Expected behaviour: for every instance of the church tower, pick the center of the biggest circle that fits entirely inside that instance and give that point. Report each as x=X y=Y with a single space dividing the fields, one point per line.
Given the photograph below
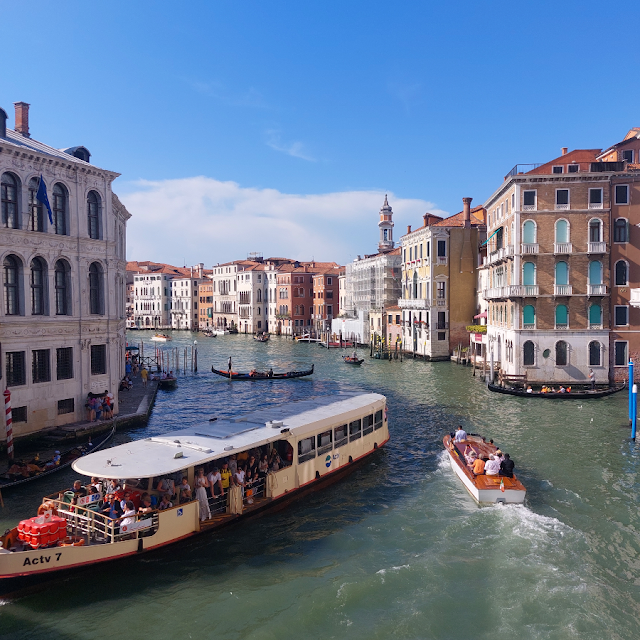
x=385 y=225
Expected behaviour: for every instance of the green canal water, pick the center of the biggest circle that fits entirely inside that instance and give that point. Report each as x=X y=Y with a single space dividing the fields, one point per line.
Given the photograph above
x=397 y=550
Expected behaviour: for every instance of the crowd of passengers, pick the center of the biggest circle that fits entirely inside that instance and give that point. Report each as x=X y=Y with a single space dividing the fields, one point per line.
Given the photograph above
x=123 y=501
x=495 y=464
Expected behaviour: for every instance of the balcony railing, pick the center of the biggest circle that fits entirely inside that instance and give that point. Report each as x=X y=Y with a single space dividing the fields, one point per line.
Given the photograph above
x=597 y=247
x=562 y=207
x=597 y=289
x=441 y=302
x=528 y=325
x=562 y=247
x=595 y=205
x=562 y=325
x=415 y=303
x=595 y=325
x=562 y=289
x=442 y=260
x=529 y=247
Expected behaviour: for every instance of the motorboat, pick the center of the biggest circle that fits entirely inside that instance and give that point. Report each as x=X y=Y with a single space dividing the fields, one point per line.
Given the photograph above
x=160 y=337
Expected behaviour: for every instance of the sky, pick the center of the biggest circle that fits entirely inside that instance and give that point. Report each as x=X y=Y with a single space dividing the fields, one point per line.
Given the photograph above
x=277 y=127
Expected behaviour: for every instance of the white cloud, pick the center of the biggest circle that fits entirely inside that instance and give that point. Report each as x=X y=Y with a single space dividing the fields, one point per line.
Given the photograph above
x=204 y=220
x=295 y=149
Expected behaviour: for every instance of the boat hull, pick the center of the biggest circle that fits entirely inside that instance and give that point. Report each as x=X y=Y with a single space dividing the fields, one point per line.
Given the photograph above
x=573 y=395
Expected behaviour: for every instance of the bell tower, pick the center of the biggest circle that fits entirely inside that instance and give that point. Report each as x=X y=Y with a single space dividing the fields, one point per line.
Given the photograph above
x=385 y=225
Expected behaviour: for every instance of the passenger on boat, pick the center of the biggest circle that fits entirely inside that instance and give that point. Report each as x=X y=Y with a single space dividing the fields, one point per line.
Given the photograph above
x=18 y=470
x=225 y=476
x=165 y=503
x=529 y=389
x=469 y=455
x=270 y=372
x=239 y=477
x=111 y=507
x=506 y=466
x=215 y=482
x=478 y=466
x=252 y=467
x=461 y=435
x=185 y=495
x=111 y=485
x=129 y=516
x=275 y=462
x=202 y=484
x=78 y=489
x=233 y=464
x=145 y=504
x=125 y=499
x=492 y=466
x=166 y=485
x=562 y=389
x=498 y=455
x=263 y=467
x=184 y=484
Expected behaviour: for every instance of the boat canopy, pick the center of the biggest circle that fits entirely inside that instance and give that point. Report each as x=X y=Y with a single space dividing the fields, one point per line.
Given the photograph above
x=167 y=454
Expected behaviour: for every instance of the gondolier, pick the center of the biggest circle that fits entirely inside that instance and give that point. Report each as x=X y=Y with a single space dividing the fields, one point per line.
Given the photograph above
x=229 y=366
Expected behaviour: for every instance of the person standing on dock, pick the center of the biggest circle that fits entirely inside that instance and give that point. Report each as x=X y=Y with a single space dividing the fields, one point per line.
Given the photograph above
x=144 y=374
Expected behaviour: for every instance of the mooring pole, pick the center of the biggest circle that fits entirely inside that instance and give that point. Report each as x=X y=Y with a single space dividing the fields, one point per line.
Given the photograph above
x=634 y=394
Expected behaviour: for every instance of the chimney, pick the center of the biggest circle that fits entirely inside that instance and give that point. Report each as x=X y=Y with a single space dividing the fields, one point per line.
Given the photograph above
x=22 y=118
x=425 y=218
x=3 y=123
x=408 y=228
x=466 y=212
x=564 y=150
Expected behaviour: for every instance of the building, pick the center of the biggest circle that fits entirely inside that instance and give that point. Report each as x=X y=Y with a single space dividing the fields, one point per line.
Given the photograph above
x=326 y=300
x=62 y=313
x=252 y=310
x=184 y=300
x=205 y=303
x=439 y=277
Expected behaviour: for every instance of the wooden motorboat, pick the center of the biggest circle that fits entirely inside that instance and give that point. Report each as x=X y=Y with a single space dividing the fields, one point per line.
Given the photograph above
x=261 y=375
x=37 y=469
x=160 y=337
x=352 y=360
x=484 y=489
x=567 y=395
x=312 y=444
x=168 y=382
x=261 y=337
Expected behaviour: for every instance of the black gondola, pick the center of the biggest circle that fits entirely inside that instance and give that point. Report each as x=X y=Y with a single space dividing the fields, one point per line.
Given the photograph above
x=573 y=395
x=49 y=466
x=260 y=375
x=352 y=360
x=263 y=337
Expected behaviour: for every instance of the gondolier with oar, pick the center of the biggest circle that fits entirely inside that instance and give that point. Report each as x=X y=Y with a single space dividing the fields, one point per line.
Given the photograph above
x=229 y=366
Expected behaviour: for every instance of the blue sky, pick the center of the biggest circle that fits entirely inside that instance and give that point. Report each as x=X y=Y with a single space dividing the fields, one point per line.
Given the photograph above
x=262 y=106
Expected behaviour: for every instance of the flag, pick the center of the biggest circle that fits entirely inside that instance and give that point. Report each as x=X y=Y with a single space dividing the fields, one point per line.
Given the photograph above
x=502 y=486
x=41 y=196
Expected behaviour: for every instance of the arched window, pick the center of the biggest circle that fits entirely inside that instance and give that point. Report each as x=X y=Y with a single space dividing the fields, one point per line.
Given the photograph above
x=12 y=306
x=62 y=273
x=595 y=272
x=595 y=316
x=93 y=213
x=529 y=317
x=562 y=231
x=9 y=200
x=529 y=353
x=620 y=230
x=529 y=232
x=528 y=273
x=415 y=284
x=594 y=354
x=259 y=295
x=595 y=230
x=60 y=206
x=562 y=273
x=561 y=353
x=96 y=290
x=562 y=317
x=38 y=283
x=622 y=273
x=36 y=208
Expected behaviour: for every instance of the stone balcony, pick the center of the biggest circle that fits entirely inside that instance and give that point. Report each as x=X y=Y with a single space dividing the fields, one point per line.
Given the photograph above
x=596 y=247
x=529 y=247
x=562 y=290
x=597 y=289
x=414 y=303
x=562 y=247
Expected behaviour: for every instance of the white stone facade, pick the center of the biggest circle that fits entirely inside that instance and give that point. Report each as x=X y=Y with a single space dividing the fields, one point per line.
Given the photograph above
x=184 y=303
x=252 y=299
x=151 y=300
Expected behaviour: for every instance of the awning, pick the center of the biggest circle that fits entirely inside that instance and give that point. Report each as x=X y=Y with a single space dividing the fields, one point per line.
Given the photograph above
x=481 y=315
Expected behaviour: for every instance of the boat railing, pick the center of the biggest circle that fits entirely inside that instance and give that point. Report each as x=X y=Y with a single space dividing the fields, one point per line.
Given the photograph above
x=253 y=491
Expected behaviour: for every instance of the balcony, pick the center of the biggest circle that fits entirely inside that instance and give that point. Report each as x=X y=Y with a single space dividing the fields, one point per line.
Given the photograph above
x=529 y=207
x=493 y=293
x=595 y=325
x=562 y=290
x=634 y=299
x=597 y=289
x=529 y=248
x=415 y=303
x=562 y=207
x=595 y=205
x=499 y=254
x=596 y=247
x=441 y=302
x=562 y=247
x=523 y=290
x=562 y=325
x=442 y=261
x=526 y=325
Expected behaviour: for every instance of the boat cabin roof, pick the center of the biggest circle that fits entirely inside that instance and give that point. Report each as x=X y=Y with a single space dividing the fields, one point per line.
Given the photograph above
x=167 y=454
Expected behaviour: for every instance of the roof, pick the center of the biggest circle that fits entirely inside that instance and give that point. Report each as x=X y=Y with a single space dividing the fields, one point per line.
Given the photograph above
x=457 y=220
x=156 y=456
x=577 y=156
x=632 y=134
x=394 y=252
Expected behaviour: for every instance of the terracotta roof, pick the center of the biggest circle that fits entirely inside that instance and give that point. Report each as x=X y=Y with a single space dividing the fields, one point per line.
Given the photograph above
x=477 y=219
x=394 y=252
x=577 y=156
x=632 y=135
x=393 y=307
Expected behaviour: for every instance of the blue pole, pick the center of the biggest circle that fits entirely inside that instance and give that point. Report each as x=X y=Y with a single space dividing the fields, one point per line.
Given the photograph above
x=630 y=385
x=635 y=411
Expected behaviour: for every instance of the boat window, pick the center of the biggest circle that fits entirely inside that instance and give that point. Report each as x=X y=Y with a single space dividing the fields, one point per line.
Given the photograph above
x=325 y=441
x=367 y=425
x=306 y=449
x=340 y=435
x=378 y=419
x=355 y=429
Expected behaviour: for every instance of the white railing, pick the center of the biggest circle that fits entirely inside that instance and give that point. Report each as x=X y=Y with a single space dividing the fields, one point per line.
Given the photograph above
x=562 y=325
x=595 y=205
x=523 y=290
x=562 y=289
x=441 y=303
x=493 y=292
x=597 y=247
x=562 y=247
x=595 y=325
x=526 y=325
x=561 y=207
x=530 y=247
x=634 y=299
x=597 y=289
x=415 y=303
x=442 y=260
x=529 y=207
x=508 y=250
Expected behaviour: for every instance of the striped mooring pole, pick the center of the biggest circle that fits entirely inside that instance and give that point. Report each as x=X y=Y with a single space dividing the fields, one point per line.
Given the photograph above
x=8 y=422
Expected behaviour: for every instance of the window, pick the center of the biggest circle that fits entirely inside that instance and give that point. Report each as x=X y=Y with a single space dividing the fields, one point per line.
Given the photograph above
x=562 y=273
x=96 y=296
x=367 y=425
x=440 y=290
x=442 y=248
x=595 y=272
x=19 y=414
x=627 y=155
x=621 y=194
x=620 y=348
x=65 y=406
x=64 y=363
x=561 y=353
x=562 y=317
x=595 y=198
x=562 y=231
x=12 y=306
x=529 y=232
x=529 y=353
x=355 y=430
x=325 y=442
x=329 y=281
x=595 y=316
x=9 y=200
x=529 y=200
x=38 y=280
x=621 y=273
x=529 y=317
x=40 y=365
x=36 y=208
x=557 y=169
x=621 y=315
x=98 y=359
x=595 y=231
x=93 y=214
x=378 y=419
x=573 y=168
x=621 y=230
x=562 y=198
x=306 y=449
x=16 y=368
x=340 y=436
x=528 y=273
x=594 y=354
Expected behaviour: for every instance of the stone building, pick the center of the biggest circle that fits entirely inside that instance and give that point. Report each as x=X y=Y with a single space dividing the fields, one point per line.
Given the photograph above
x=184 y=292
x=62 y=312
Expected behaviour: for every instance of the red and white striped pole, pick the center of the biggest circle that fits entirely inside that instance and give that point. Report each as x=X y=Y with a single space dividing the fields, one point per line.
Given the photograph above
x=8 y=422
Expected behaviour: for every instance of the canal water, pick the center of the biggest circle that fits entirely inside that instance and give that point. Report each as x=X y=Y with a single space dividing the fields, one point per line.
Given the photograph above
x=397 y=550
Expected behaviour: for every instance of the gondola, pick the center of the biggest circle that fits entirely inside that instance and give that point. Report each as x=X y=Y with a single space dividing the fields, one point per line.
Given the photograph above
x=260 y=375
x=573 y=395
x=50 y=467
x=264 y=337
x=352 y=360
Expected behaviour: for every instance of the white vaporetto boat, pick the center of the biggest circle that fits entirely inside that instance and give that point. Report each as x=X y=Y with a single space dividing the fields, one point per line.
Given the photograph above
x=309 y=444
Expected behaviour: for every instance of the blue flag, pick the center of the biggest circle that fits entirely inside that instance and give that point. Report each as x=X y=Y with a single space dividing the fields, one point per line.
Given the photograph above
x=41 y=196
